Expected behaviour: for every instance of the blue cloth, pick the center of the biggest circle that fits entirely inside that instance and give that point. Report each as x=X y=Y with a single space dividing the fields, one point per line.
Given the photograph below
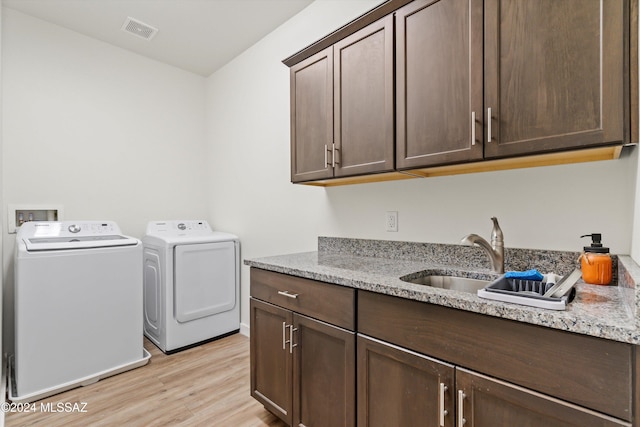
x=524 y=275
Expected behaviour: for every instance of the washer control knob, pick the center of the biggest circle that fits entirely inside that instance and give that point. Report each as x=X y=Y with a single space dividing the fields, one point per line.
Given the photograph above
x=181 y=226
x=74 y=228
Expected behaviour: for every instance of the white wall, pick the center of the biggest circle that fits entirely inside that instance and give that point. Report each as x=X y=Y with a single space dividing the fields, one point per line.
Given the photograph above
x=105 y=132
x=635 y=243
x=635 y=230
x=248 y=150
x=3 y=369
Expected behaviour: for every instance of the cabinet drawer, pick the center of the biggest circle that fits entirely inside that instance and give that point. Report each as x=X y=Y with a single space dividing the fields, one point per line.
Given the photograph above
x=330 y=303
x=588 y=371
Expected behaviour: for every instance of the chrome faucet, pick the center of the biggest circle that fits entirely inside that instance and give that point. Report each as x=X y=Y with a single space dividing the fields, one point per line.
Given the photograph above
x=495 y=250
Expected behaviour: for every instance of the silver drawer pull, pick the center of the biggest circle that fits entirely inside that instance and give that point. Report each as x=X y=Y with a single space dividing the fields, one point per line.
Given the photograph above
x=287 y=294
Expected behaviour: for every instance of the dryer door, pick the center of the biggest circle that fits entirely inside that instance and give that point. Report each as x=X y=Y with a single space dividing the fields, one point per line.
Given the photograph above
x=205 y=280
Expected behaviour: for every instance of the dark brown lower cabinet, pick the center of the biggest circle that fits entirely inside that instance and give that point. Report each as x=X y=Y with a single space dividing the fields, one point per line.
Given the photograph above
x=324 y=372
x=302 y=369
x=419 y=364
x=398 y=387
x=486 y=402
x=271 y=363
x=509 y=373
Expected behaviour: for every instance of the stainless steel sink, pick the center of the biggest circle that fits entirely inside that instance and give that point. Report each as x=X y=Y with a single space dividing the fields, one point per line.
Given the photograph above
x=455 y=283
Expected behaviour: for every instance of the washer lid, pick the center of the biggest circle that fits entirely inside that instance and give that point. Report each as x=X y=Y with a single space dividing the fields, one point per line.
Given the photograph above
x=56 y=235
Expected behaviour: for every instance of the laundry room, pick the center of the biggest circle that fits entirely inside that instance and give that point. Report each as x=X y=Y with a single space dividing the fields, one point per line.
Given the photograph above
x=106 y=126
x=103 y=132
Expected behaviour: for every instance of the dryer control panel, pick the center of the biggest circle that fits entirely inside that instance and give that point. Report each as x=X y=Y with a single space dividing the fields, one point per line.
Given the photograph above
x=179 y=228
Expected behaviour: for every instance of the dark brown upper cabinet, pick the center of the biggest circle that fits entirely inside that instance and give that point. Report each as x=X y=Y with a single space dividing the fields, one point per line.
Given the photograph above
x=478 y=85
x=438 y=82
x=312 y=117
x=342 y=116
x=554 y=75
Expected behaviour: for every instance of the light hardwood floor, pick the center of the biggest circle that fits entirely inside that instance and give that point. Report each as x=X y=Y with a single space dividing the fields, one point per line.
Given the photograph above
x=204 y=386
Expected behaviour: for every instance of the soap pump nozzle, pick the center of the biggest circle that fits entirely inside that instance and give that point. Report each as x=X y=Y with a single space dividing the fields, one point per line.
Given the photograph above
x=596 y=243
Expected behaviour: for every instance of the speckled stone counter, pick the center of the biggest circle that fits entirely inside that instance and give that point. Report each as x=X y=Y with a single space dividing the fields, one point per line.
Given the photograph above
x=608 y=312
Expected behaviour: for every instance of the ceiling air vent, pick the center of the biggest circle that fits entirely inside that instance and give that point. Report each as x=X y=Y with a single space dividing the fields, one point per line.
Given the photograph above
x=139 y=29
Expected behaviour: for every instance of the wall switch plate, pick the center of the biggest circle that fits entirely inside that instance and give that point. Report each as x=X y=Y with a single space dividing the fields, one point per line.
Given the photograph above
x=392 y=220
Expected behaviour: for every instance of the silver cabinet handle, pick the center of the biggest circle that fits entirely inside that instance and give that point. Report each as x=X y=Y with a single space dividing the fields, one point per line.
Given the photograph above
x=473 y=128
x=489 y=124
x=287 y=294
x=291 y=344
x=284 y=335
x=443 y=412
x=326 y=156
x=461 y=397
x=333 y=155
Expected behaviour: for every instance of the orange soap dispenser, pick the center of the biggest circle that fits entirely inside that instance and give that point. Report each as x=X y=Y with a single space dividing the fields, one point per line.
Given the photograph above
x=596 y=262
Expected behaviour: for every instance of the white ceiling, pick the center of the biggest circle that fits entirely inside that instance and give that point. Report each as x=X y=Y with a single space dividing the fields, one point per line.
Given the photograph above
x=196 y=35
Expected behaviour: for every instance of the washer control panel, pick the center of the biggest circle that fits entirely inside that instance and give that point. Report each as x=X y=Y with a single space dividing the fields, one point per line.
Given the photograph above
x=179 y=228
x=69 y=228
x=92 y=228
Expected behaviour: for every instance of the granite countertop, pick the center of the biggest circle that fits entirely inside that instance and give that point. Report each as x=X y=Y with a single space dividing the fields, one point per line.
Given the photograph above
x=608 y=312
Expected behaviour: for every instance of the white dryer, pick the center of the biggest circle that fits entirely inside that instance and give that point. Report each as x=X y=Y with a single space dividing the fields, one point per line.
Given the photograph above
x=191 y=284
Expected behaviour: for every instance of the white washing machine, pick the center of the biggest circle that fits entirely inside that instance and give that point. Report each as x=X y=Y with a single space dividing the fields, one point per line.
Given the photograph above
x=78 y=306
x=191 y=284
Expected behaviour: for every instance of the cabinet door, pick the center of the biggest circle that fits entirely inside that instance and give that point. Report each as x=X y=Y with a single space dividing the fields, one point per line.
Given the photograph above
x=438 y=82
x=324 y=359
x=554 y=74
x=271 y=366
x=487 y=402
x=312 y=117
x=363 y=106
x=402 y=388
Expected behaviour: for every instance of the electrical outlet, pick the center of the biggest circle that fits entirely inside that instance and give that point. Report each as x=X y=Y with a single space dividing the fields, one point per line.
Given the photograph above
x=392 y=221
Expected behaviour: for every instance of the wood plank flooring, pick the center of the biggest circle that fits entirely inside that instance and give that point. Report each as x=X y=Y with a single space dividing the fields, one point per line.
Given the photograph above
x=207 y=386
